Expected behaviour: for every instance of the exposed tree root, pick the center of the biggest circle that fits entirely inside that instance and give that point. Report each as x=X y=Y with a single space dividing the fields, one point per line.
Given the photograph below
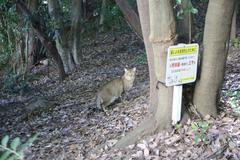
x=147 y=127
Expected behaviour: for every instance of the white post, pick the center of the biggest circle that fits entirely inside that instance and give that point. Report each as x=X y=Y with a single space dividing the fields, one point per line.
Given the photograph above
x=177 y=104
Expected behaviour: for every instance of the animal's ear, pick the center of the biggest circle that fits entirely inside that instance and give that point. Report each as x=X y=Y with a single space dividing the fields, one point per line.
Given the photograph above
x=134 y=69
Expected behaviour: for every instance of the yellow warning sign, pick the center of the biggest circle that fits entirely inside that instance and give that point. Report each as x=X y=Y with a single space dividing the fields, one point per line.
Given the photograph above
x=183 y=51
x=181 y=67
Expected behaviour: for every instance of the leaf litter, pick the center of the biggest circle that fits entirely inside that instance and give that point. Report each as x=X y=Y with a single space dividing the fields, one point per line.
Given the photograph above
x=74 y=129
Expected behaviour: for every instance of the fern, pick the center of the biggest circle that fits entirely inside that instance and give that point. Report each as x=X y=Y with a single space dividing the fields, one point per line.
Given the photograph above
x=15 y=149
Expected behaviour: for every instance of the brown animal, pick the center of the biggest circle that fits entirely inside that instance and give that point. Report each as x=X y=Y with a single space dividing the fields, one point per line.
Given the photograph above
x=114 y=89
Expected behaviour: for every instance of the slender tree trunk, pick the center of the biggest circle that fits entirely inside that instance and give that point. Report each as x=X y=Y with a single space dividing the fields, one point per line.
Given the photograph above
x=215 y=41
x=84 y=9
x=30 y=37
x=162 y=34
x=20 y=47
x=234 y=22
x=131 y=16
x=185 y=25
x=19 y=58
x=51 y=48
x=76 y=30
x=62 y=41
x=102 y=15
x=11 y=39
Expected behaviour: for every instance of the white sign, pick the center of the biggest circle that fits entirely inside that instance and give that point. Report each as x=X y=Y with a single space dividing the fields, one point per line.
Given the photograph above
x=182 y=63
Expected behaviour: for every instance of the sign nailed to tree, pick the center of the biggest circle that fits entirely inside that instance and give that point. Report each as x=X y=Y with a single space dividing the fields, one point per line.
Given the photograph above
x=182 y=63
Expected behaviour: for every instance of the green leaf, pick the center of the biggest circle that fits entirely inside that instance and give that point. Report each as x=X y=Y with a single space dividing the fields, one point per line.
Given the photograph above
x=178 y=126
x=5 y=141
x=194 y=10
x=194 y=126
x=21 y=154
x=179 y=14
x=5 y=155
x=15 y=143
x=178 y=2
x=29 y=142
x=13 y=157
x=196 y=139
x=32 y=139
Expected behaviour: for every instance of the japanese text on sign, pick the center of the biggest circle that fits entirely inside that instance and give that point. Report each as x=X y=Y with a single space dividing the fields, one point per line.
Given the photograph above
x=182 y=63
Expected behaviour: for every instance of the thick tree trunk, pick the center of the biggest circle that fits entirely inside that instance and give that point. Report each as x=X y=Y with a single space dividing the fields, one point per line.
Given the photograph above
x=76 y=30
x=131 y=16
x=51 y=48
x=161 y=28
x=163 y=35
x=62 y=41
x=143 y=8
x=216 y=39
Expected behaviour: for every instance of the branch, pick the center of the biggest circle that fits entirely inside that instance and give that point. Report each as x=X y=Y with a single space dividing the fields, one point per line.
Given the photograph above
x=131 y=16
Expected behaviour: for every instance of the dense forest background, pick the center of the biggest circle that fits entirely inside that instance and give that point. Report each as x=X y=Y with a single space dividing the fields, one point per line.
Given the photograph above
x=55 y=55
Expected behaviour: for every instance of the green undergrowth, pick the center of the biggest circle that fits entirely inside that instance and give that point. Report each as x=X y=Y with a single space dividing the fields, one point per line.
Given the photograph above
x=14 y=150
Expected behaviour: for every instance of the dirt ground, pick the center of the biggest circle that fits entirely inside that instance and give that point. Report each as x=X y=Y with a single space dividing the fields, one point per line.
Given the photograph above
x=71 y=128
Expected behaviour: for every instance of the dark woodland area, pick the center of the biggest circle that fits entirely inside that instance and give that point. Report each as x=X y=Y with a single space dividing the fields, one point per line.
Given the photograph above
x=61 y=61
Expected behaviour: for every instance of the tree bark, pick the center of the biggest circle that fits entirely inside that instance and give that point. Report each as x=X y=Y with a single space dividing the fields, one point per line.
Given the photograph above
x=131 y=16
x=51 y=48
x=30 y=36
x=162 y=35
x=102 y=15
x=234 y=22
x=62 y=39
x=84 y=9
x=143 y=9
x=161 y=28
x=185 y=25
x=20 y=44
x=215 y=42
x=19 y=57
x=76 y=30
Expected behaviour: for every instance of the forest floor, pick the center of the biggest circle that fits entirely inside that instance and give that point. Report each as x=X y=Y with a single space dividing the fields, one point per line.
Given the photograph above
x=70 y=127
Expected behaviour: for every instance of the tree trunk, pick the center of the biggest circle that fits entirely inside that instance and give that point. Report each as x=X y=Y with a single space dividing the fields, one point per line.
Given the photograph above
x=76 y=30
x=18 y=57
x=234 y=22
x=20 y=44
x=162 y=34
x=30 y=37
x=131 y=16
x=215 y=42
x=62 y=41
x=143 y=9
x=84 y=9
x=185 y=25
x=51 y=48
x=102 y=15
